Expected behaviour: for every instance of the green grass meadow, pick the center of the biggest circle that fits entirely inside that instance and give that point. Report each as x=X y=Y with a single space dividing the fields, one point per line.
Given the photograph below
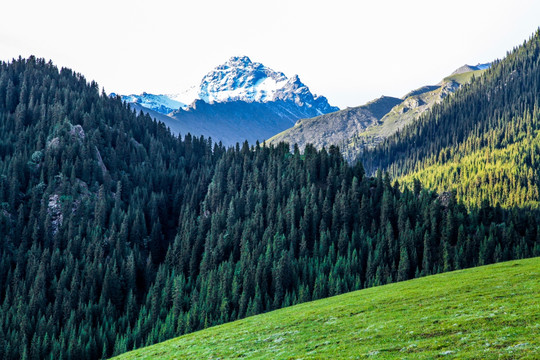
x=489 y=312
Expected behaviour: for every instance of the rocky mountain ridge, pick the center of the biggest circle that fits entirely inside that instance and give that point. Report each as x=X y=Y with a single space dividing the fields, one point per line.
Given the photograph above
x=238 y=79
x=355 y=128
x=236 y=101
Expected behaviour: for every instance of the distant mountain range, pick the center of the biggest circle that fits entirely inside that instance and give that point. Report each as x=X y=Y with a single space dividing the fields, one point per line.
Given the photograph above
x=355 y=128
x=237 y=101
x=244 y=100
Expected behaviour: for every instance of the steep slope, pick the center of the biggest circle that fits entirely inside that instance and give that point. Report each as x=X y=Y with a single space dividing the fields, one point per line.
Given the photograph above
x=483 y=142
x=489 y=312
x=236 y=121
x=237 y=101
x=225 y=121
x=331 y=129
x=501 y=177
x=419 y=102
x=353 y=129
x=167 y=120
x=415 y=104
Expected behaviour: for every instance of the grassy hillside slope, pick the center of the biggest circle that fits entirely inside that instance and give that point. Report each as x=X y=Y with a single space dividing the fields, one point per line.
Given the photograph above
x=489 y=312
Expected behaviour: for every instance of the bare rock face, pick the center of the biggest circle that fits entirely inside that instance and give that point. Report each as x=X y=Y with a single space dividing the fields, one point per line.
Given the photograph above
x=445 y=198
x=447 y=88
x=77 y=132
x=61 y=204
x=54 y=210
x=414 y=102
x=53 y=144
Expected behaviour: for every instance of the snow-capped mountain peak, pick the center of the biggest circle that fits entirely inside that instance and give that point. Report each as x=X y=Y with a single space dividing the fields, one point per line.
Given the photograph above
x=238 y=79
x=241 y=79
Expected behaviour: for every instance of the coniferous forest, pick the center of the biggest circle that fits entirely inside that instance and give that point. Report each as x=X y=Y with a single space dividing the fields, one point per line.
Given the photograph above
x=115 y=234
x=483 y=142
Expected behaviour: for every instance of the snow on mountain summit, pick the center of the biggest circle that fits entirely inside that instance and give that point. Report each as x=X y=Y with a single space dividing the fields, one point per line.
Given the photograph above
x=241 y=79
x=161 y=103
x=238 y=79
x=244 y=80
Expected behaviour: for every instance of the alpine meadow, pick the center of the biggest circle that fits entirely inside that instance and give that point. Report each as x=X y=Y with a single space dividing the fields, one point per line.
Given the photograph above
x=121 y=229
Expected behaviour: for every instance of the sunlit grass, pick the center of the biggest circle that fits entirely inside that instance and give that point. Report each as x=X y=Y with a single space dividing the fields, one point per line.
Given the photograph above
x=466 y=77
x=490 y=312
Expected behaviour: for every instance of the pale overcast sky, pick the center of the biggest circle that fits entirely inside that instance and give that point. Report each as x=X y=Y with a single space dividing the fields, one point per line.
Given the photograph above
x=349 y=51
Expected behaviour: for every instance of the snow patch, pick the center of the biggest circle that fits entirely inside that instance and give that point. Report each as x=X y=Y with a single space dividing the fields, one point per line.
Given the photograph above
x=163 y=104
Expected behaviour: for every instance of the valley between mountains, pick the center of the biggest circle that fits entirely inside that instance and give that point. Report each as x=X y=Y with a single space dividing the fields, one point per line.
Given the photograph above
x=250 y=209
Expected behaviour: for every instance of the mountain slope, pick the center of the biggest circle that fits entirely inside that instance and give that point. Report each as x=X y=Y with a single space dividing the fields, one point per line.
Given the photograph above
x=332 y=128
x=237 y=121
x=501 y=177
x=115 y=234
x=237 y=101
x=415 y=104
x=483 y=142
x=489 y=312
x=356 y=128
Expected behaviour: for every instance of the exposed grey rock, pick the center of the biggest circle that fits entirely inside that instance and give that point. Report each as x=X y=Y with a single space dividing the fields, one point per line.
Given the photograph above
x=54 y=210
x=77 y=132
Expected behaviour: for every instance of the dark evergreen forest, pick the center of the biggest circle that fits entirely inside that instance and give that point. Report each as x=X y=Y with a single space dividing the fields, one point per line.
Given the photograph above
x=115 y=234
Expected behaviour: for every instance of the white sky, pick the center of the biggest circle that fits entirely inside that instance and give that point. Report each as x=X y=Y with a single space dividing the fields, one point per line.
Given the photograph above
x=351 y=51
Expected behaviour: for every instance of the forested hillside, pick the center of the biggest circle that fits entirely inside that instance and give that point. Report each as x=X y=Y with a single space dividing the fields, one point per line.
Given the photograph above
x=483 y=142
x=116 y=234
